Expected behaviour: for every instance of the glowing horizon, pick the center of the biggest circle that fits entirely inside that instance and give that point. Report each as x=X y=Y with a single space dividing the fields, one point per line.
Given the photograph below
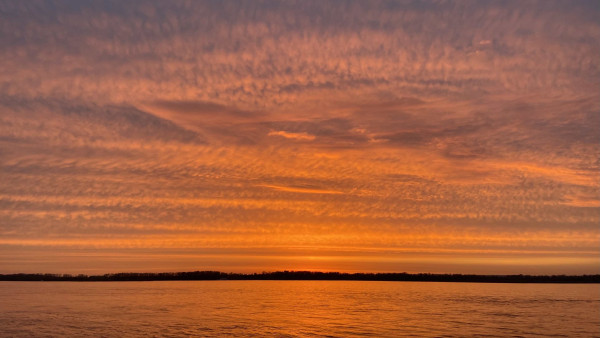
x=378 y=136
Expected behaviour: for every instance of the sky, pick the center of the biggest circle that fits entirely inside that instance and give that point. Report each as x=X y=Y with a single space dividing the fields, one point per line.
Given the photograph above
x=249 y=136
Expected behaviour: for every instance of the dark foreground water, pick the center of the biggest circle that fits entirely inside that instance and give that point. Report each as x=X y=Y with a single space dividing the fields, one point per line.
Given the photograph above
x=297 y=308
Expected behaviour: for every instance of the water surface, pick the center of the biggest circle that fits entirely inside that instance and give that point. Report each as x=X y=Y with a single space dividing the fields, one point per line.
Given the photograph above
x=297 y=308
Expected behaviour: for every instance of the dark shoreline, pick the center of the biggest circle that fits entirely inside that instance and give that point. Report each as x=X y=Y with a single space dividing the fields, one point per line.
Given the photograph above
x=303 y=275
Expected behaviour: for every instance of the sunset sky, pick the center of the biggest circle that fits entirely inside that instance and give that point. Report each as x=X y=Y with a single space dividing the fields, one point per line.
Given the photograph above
x=249 y=136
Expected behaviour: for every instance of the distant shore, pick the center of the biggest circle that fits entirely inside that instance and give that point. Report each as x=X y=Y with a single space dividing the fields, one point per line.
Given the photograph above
x=303 y=275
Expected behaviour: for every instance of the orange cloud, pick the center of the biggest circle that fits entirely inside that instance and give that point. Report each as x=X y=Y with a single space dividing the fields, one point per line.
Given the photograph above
x=304 y=190
x=294 y=136
x=295 y=128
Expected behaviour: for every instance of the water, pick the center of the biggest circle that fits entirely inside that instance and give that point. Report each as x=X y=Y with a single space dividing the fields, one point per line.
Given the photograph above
x=297 y=308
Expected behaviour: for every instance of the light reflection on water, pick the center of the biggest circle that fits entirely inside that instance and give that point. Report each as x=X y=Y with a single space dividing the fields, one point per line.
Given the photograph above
x=297 y=308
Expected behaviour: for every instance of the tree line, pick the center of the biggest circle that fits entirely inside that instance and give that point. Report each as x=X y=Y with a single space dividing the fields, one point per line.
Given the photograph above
x=304 y=275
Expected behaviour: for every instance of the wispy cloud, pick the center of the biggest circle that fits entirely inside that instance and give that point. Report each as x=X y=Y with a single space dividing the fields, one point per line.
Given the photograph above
x=293 y=136
x=304 y=190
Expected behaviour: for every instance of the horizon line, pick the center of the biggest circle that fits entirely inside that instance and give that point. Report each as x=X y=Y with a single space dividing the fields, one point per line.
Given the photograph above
x=303 y=275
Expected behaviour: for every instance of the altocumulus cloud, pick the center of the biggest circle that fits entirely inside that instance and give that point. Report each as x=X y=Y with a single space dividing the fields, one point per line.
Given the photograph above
x=399 y=131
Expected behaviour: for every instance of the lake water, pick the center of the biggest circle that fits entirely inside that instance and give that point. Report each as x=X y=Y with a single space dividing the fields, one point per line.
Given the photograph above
x=297 y=308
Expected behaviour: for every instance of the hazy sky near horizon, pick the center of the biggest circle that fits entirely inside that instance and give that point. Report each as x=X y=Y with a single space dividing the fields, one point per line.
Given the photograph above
x=250 y=136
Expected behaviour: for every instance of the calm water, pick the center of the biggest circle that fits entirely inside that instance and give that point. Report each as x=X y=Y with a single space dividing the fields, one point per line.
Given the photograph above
x=297 y=308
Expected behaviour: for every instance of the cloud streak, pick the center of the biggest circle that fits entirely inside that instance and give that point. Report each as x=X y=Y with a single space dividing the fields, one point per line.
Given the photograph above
x=293 y=136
